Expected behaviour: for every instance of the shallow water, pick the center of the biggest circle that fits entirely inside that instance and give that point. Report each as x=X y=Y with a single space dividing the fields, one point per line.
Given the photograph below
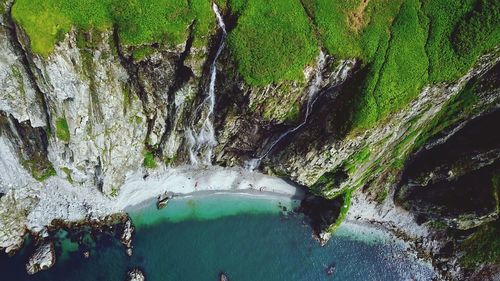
x=248 y=238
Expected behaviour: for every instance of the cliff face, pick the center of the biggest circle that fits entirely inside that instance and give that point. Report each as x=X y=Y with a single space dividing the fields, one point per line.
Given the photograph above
x=74 y=124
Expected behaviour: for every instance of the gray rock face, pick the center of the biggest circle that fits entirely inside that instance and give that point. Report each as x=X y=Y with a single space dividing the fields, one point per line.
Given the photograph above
x=105 y=121
x=42 y=259
x=18 y=96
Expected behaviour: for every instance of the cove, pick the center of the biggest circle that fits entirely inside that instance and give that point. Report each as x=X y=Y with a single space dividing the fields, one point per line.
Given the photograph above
x=249 y=237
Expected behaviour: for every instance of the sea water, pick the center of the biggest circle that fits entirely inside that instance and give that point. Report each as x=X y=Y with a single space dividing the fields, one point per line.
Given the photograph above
x=247 y=237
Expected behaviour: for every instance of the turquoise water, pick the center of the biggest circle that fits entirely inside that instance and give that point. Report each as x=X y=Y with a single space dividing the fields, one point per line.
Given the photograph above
x=248 y=238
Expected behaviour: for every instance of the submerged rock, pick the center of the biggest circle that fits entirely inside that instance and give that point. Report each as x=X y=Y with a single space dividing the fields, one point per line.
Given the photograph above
x=330 y=270
x=135 y=275
x=86 y=254
x=163 y=199
x=42 y=259
x=223 y=277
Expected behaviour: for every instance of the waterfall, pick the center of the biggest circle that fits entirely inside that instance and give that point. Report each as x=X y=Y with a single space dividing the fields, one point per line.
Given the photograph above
x=313 y=93
x=201 y=144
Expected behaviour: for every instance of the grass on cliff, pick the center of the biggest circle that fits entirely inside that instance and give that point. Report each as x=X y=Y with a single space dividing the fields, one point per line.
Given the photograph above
x=483 y=246
x=403 y=45
x=149 y=160
x=272 y=41
x=138 y=22
x=40 y=168
x=62 y=129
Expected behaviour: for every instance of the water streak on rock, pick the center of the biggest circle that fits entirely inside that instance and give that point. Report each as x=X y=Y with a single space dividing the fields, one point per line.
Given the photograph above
x=201 y=144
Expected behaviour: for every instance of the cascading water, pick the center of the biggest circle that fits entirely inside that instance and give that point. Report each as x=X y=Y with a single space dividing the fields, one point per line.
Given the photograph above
x=201 y=144
x=313 y=94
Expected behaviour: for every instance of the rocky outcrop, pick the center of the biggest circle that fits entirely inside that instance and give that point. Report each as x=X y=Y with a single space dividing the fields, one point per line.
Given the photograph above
x=135 y=275
x=43 y=258
x=126 y=237
x=223 y=277
x=163 y=199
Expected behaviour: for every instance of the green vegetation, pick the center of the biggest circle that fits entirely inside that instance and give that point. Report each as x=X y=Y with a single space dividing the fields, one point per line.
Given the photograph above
x=149 y=160
x=346 y=197
x=437 y=225
x=445 y=17
x=477 y=26
x=138 y=22
x=2 y=6
x=47 y=21
x=141 y=53
x=293 y=114
x=483 y=246
x=272 y=41
x=114 y=192
x=456 y=108
x=495 y=183
x=40 y=168
x=357 y=159
x=62 y=129
x=403 y=45
x=68 y=173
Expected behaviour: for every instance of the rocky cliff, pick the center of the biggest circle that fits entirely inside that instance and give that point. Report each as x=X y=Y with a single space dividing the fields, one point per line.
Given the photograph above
x=74 y=124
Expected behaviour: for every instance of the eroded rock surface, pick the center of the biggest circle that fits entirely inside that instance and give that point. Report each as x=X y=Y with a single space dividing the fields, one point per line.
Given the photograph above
x=43 y=258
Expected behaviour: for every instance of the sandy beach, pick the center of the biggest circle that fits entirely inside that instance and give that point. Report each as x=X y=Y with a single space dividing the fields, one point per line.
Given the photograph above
x=189 y=181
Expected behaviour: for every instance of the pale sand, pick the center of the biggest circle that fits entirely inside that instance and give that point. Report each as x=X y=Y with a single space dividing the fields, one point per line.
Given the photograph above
x=188 y=180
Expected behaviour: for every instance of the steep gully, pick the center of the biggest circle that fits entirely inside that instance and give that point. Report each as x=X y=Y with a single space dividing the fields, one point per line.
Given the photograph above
x=201 y=143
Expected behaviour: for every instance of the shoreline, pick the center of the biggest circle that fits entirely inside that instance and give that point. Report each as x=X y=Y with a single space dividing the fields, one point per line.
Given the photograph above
x=191 y=181
x=242 y=193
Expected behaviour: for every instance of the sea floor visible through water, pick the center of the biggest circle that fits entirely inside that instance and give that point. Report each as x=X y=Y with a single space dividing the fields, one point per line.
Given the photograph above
x=249 y=238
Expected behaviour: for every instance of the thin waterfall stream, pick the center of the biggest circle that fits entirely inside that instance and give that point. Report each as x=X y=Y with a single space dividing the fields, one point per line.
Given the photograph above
x=313 y=94
x=201 y=144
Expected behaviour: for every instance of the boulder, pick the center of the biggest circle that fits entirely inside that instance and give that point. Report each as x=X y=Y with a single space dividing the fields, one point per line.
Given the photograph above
x=223 y=277
x=163 y=199
x=126 y=237
x=135 y=274
x=42 y=259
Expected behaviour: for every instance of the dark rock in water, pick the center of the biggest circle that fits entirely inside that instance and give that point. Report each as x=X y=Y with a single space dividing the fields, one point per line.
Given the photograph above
x=135 y=274
x=163 y=199
x=330 y=270
x=43 y=258
x=320 y=213
x=86 y=254
x=223 y=277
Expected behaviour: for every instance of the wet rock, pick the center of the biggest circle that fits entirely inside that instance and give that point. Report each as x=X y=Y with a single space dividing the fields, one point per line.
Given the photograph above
x=126 y=238
x=135 y=275
x=86 y=254
x=163 y=199
x=42 y=259
x=321 y=213
x=223 y=277
x=486 y=273
x=330 y=270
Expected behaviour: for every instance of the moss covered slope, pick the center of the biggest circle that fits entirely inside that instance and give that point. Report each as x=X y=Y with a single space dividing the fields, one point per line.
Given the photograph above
x=403 y=45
